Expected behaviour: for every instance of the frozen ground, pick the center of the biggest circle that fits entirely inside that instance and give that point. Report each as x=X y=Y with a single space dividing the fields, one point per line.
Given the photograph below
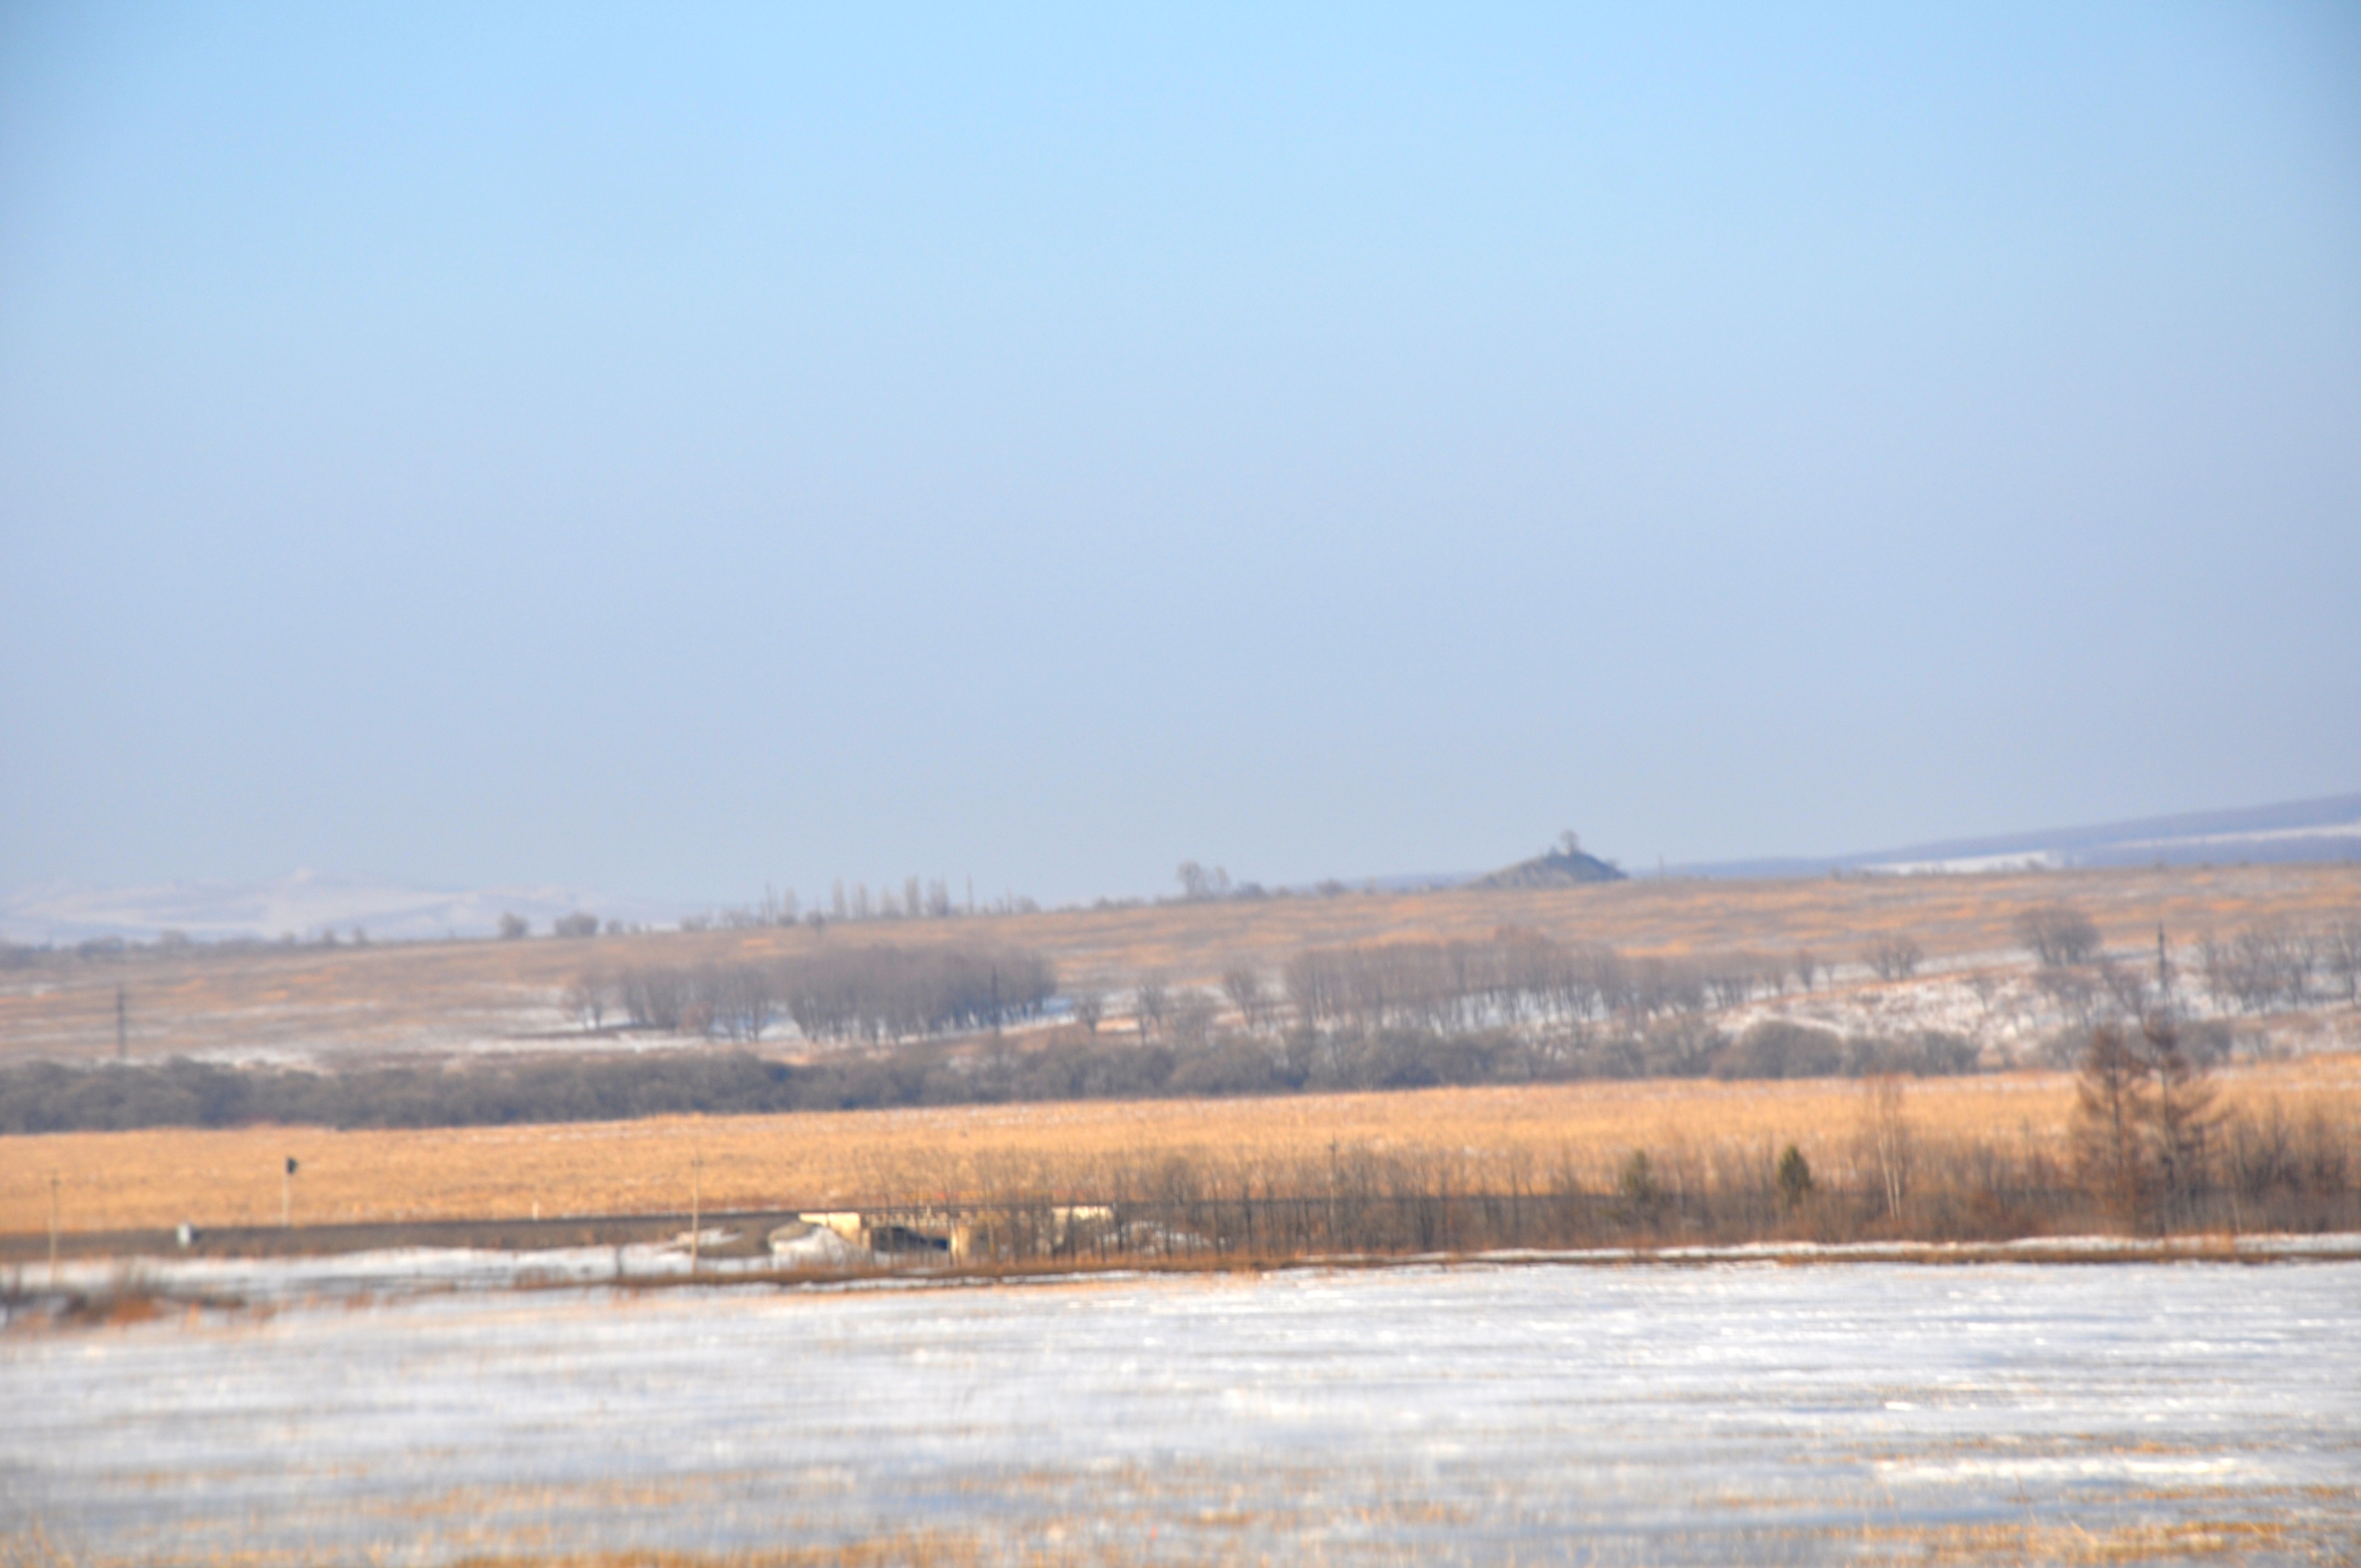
x=1733 y=1412
x=33 y=1292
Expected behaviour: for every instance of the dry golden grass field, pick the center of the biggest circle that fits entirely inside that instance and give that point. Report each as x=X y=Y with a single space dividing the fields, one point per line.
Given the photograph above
x=1493 y=1137
x=443 y=998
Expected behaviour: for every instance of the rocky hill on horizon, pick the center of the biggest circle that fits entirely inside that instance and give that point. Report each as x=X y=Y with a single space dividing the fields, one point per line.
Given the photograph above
x=1564 y=866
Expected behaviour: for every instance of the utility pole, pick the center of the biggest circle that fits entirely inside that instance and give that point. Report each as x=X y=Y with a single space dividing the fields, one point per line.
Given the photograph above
x=122 y=1026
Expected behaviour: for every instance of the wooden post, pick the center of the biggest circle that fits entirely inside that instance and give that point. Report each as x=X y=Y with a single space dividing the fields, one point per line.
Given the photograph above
x=1333 y=1245
x=287 y=1196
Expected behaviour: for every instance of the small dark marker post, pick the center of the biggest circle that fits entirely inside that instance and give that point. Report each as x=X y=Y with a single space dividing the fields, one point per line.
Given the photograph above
x=287 y=1196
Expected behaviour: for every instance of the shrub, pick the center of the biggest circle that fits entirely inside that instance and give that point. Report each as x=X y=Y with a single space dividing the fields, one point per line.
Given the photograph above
x=2058 y=935
x=1893 y=958
x=1795 y=1177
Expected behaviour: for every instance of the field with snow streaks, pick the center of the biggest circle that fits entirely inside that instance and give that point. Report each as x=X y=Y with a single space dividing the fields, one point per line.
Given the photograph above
x=1728 y=1413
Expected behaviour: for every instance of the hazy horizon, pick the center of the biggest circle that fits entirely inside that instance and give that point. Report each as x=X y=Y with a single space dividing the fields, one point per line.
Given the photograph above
x=676 y=454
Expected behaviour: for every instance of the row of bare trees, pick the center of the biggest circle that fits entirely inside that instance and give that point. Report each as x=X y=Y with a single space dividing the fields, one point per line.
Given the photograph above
x=2280 y=963
x=2269 y=965
x=871 y=994
x=918 y=898
x=1889 y=1175
x=1514 y=978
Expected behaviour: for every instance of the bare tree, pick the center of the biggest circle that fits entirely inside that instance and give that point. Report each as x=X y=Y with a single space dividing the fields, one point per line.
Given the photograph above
x=1893 y=958
x=1192 y=1020
x=654 y=998
x=2128 y=987
x=1732 y=979
x=739 y=1001
x=1151 y=1000
x=2058 y=935
x=1089 y=1008
x=1885 y=1136
x=2264 y=965
x=2074 y=992
x=2342 y=946
x=1809 y=968
x=579 y=924
x=512 y=928
x=585 y=1000
x=1242 y=985
x=1198 y=884
x=2281 y=956
x=1987 y=988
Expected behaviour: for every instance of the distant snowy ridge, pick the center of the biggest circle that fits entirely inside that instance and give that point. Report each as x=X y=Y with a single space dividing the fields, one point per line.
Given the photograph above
x=303 y=905
x=2324 y=829
x=306 y=904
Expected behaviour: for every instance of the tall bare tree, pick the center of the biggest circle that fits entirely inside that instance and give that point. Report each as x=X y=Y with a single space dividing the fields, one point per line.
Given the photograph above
x=1885 y=1136
x=585 y=1000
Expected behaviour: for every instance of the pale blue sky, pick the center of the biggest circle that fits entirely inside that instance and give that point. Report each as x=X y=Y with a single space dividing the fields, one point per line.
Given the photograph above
x=673 y=452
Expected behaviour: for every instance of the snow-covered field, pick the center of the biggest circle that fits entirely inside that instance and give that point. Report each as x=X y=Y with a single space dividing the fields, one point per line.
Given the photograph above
x=1729 y=1412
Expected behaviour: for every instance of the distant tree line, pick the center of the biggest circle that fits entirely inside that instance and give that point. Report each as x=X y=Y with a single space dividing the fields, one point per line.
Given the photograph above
x=918 y=898
x=1069 y=1064
x=866 y=995
x=2280 y=963
x=48 y=1097
x=1519 y=978
x=2269 y=966
x=2148 y=1152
